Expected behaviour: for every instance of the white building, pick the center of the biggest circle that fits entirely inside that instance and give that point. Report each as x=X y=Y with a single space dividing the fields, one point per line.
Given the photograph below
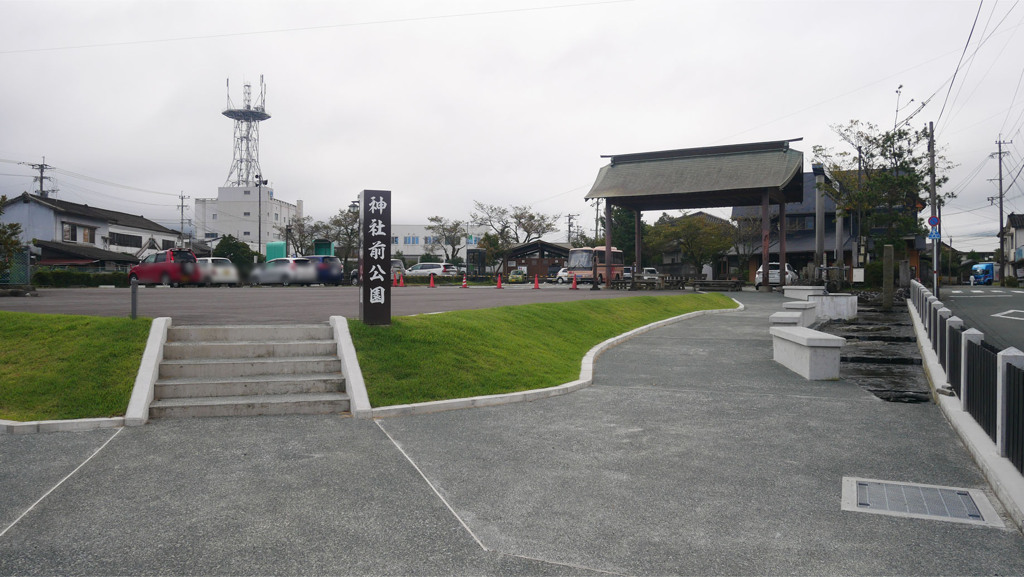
x=72 y=234
x=414 y=241
x=236 y=211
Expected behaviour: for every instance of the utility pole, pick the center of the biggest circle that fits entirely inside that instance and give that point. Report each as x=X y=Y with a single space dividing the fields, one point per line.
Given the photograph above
x=259 y=212
x=570 y=217
x=181 y=227
x=42 y=168
x=597 y=216
x=934 y=209
x=1002 y=248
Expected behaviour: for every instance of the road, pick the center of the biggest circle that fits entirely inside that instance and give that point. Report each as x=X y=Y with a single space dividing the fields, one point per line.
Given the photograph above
x=997 y=312
x=279 y=305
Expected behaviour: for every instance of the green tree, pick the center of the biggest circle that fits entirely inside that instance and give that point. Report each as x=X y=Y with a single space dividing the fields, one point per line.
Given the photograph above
x=299 y=233
x=10 y=240
x=883 y=177
x=343 y=230
x=509 y=227
x=238 y=253
x=700 y=238
x=448 y=236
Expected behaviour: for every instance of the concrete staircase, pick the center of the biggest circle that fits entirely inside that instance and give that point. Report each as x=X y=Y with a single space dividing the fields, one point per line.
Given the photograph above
x=214 y=371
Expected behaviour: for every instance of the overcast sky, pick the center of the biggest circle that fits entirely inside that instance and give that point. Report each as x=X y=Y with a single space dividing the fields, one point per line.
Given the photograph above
x=501 y=101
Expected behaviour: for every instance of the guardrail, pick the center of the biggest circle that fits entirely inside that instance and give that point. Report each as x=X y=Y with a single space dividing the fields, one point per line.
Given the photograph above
x=988 y=382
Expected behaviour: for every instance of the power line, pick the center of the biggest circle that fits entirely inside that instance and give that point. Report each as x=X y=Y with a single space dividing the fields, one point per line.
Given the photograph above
x=309 y=28
x=961 y=62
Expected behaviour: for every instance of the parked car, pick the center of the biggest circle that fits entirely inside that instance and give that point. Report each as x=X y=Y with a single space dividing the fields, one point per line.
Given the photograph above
x=174 y=266
x=516 y=275
x=286 y=271
x=432 y=268
x=627 y=272
x=217 y=270
x=560 y=277
x=329 y=269
x=397 y=267
x=773 y=275
x=650 y=273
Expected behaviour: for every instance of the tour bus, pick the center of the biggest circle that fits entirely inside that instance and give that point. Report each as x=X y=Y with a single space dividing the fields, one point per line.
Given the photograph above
x=581 y=262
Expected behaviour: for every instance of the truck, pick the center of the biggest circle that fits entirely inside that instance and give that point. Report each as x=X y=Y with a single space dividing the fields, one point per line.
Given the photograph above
x=984 y=273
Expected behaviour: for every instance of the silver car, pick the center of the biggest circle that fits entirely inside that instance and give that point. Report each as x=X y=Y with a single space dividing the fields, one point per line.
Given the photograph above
x=217 y=270
x=286 y=271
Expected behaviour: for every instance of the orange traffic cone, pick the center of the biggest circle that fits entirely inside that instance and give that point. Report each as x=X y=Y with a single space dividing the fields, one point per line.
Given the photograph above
x=499 y=280
x=574 y=287
x=464 y=285
x=536 y=282
x=431 y=281
x=394 y=280
x=401 y=280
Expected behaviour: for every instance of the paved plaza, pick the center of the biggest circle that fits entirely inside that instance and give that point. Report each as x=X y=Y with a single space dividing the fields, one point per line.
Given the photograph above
x=693 y=453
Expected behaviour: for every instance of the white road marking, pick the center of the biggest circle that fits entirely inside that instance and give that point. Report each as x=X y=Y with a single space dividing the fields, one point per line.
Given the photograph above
x=1012 y=314
x=54 y=488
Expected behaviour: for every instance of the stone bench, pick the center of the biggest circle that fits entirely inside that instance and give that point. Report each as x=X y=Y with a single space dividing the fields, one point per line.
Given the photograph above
x=808 y=311
x=812 y=354
x=785 y=318
x=835 y=306
x=801 y=292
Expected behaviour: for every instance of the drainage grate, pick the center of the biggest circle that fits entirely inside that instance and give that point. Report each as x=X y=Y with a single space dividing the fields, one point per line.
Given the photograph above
x=919 y=501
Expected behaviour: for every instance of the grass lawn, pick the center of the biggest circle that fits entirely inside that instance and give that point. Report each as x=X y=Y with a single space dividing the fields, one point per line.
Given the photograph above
x=500 y=350
x=67 y=366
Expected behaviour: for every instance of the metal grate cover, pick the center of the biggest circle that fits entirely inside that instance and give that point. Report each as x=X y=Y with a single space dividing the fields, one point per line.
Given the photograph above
x=919 y=501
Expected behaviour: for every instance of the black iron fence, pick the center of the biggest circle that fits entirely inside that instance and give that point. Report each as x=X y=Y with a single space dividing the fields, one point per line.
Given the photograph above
x=973 y=373
x=1015 y=416
x=981 y=386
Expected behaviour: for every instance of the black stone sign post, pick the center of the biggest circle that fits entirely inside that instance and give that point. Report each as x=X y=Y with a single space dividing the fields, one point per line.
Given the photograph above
x=375 y=257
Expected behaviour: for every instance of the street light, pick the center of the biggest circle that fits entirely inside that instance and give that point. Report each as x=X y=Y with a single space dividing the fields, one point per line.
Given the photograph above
x=259 y=210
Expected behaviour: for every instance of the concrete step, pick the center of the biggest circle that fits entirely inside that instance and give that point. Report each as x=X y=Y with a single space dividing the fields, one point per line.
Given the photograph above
x=248 y=349
x=250 y=333
x=250 y=405
x=245 y=367
x=253 y=385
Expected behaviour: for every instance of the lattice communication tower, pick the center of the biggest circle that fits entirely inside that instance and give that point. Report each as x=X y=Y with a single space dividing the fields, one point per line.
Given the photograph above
x=246 y=163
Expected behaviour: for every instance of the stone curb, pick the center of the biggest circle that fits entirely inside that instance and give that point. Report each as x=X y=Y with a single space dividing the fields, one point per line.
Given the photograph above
x=358 y=386
x=1007 y=483
x=138 y=405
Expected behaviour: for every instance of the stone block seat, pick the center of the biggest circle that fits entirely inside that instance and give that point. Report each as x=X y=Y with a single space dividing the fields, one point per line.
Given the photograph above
x=812 y=354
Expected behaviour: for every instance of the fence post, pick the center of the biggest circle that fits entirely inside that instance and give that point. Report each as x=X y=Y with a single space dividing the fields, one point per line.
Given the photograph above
x=135 y=296
x=933 y=324
x=952 y=324
x=969 y=336
x=941 y=327
x=926 y=314
x=1010 y=356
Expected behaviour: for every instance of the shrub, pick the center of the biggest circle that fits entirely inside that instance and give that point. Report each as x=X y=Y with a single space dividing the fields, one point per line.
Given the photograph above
x=69 y=278
x=1011 y=281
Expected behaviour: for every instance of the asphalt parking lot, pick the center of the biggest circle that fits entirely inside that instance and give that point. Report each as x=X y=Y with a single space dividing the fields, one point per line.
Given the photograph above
x=293 y=304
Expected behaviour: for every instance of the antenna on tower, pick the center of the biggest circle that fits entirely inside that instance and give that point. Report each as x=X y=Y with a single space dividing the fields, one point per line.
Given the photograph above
x=245 y=164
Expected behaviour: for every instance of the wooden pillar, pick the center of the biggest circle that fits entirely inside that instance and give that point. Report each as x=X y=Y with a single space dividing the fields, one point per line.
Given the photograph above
x=637 y=241
x=765 y=241
x=782 y=242
x=607 y=244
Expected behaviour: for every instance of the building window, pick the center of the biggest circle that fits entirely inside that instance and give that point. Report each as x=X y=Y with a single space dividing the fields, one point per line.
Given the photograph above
x=77 y=233
x=167 y=244
x=246 y=193
x=245 y=214
x=214 y=216
x=210 y=235
x=246 y=233
x=411 y=240
x=394 y=240
x=128 y=240
x=276 y=216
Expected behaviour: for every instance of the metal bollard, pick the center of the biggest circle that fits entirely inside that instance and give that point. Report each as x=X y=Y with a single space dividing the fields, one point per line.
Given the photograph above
x=135 y=296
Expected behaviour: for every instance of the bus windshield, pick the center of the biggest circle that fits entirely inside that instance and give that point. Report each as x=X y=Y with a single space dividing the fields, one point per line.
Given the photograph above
x=581 y=258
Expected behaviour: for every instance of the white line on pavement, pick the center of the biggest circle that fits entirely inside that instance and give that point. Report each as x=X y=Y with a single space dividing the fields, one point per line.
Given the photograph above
x=54 y=488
